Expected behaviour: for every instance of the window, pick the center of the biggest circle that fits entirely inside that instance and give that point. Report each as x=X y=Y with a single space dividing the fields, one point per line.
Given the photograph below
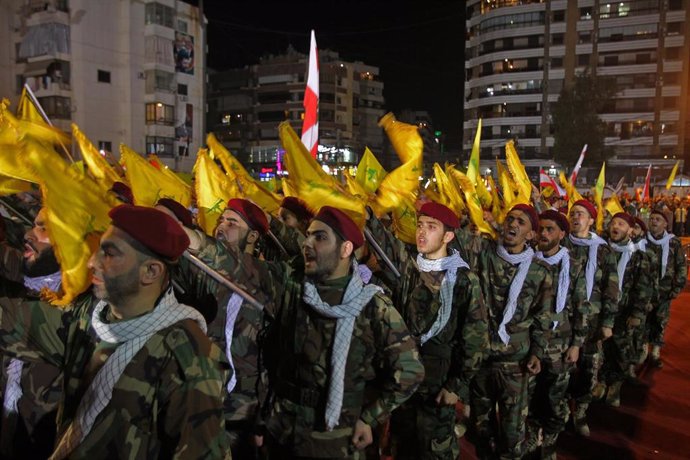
x=56 y=107
x=158 y=113
x=556 y=63
x=559 y=16
x=670 y=103
x=105 y=146
x=159 y=80
x=161 y=146
x=586 y=13
x=103 y=76
x=159 y=14
x=583 y=59
x=610 y=60
x=557 y=39
x=672 y=53
x=181 y=89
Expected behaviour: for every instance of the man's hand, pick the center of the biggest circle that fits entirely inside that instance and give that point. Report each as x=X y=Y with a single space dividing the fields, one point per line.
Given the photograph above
x=633 y=322
x=361 y=436
x=446 y=398
x=606 y=333
x=258 y=440
x=572 y=354
x=533 y=365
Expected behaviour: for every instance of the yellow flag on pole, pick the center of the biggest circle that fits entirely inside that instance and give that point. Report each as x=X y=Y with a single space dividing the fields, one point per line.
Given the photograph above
x=10 y=185
x=26 y=110
x=672 y=176
x=474 y=206
x=213 y=190
x=405 y=138
x=497 y=210
x=473 y=166
x=517 y=169
x=370 y=173
x=613 y=205
x=599 y=196
x=98 y=166
x=508 y=186
x=448 y=193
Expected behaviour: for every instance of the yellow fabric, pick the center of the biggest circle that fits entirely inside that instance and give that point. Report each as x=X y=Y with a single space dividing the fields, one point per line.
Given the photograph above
x=213 y=190
x=599 y=196
x=448 y=193
x=483 y=193
x=149 y=184
x=613 y=205
x=158 y=164
x=570 y=189
x=10 y=185
x=508 y=186
x=405 y=138
x=517 y=169
x=404 y=221
x=497 y=210
x=26 y=110
x=672 y=176
x=13 y=129
x=472 y=200
x=370 y=173
x=355 y=188
x=98 y=166
x=473 y=166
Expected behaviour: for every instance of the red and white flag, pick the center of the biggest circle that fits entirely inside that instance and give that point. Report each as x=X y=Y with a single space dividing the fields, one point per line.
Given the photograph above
x=547 y=181
x=576 y=170
x=645 y=191
x=310 y=126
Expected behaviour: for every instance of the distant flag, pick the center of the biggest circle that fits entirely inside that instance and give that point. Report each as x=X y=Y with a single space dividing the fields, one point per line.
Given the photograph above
x=578 y=165
x=599 y=196
x=645 y=190
x=473 y=166
x=547 y=181
x=310 y=126
x=672 y=176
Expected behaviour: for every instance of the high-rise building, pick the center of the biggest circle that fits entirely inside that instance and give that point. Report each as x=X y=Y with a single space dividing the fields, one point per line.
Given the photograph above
x=521 y=53
x=246 y=106
x=127 y=71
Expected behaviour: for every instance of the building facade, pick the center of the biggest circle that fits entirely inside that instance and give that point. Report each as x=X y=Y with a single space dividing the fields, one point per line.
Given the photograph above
x=126 y=71
x=246 y=106
x=521 y=53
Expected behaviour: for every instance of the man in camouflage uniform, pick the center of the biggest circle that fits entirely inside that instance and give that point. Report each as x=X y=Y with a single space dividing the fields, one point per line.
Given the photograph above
x=548 y=402
x=322 y=407
x=639 y=233
x=637 y=283
x=673 y=274
x=601 y=281
x=440 y=301
x=518 y=291
x=142 y=380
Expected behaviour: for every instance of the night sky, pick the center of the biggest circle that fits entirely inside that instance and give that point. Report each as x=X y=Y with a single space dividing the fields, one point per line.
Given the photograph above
x=418 y=46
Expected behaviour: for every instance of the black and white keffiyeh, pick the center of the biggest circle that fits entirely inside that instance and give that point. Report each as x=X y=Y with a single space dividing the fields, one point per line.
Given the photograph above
x=664 y=242
x=593 y=243
x=523 y=260
x=626 y=251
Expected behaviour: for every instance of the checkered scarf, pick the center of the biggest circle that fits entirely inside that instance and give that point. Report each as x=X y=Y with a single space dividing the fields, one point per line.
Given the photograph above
x=523 y=260
x=132 y=334
x=562 y=257
x=357 y=295
x=450 y=265
x=593 y=244
x=665 y=246
x=626 y=251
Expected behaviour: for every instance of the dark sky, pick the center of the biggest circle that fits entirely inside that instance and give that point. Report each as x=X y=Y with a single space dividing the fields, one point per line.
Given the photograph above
x=418 y=46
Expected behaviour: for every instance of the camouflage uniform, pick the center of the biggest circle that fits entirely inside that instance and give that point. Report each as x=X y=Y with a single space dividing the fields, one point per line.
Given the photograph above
x=502 y=379
x=640 y=281
x=382 y=370
x=602 y=308
x=166 y=403
x=420 y=428
x=548 y=402
x=669 y=287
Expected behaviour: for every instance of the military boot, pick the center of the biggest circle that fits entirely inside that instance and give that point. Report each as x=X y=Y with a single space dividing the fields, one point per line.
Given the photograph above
x=580 y=419
x=655 y=357
x=613 y=397
x=548 y=446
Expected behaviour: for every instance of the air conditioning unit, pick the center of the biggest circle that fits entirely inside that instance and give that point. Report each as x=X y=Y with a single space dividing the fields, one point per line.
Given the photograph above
x=182 y=98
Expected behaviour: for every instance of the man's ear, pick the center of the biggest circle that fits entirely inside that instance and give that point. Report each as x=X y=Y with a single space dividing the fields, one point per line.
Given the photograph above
x=252 y=237
x=346 y=249
x=152 y=271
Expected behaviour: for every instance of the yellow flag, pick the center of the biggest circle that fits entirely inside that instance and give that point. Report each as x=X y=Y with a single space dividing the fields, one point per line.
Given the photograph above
x=354 y=187
x=613 y=205
x=448 y=193
x=26 y=110
x=570 y=189
x=149 y=184
x=669 y=182
x=517 y=169
x=287 y=187
x=213 y=190
x=13 y=129
x=497 y=210
x=98 y=166
x=159 y=165
x=10 y=185
x=370 y=173
x=250 y=188
x=13 y=163
x=405 y=138
x=404 y=222
x=401 y=183
x=508 y=186
x=599 y=196
x=473 y=166
x=77 y=213
x=484 y=196
x=472 y=200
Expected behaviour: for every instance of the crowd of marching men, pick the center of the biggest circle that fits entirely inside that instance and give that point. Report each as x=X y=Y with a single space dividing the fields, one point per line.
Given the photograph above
x=337 y=321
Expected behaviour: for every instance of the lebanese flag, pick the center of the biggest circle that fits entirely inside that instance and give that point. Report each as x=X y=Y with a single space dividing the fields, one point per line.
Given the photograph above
x=547 y=181
x=645 y=191
x=576 y=170
x=310 y=126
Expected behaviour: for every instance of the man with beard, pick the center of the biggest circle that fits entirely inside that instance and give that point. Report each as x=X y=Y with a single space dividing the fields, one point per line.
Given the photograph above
x=331 y=339
x=639 y=234
x=518 y=291
x=548 y=403
x=440 y=301
x=672 y=278
x=601 y=281
x=637 y=281
x=142 y=380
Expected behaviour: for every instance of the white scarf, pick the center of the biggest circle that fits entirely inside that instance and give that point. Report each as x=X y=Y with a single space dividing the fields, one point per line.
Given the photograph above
x=641 y=245
x=665 y=247
x=450 y=265
x=593 y=244
x=561 y=257
x=36 y=283
x=626 y=251
x=357 y=295
x=132 y=334
x=525 y=260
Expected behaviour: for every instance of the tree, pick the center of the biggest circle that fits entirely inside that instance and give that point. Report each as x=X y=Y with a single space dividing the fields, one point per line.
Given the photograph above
x=576 y=122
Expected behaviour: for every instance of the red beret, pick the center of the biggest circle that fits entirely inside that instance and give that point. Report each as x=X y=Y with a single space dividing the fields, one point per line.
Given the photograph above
x=440 y=212
x=591 y=209
x=641 y=223
x=531 y=213
x=658 y=211
x=626 y=217
x=154 y=229
x=297 y=207
x=251 y=213
x=123 y=192
x=341 y=224
x=560 y=219
x=182 y=213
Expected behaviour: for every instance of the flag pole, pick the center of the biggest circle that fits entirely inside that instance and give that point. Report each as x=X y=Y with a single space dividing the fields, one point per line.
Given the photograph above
x=16 y=213
x=38 y=106
x=380 y=253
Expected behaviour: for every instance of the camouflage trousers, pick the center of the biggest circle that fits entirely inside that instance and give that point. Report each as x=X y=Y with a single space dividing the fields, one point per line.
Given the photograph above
x=422 y=430
x=622 y=350
x=504 y=385
x=548 y=406
x=657 y=320
x=272 y=450
x=586 y=375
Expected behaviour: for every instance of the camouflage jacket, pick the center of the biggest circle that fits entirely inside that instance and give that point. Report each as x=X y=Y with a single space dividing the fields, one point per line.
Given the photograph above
x=640 y=283
x=382 y=370
x=603 y=303
x=453 y=356
x=676 y=269
x=166 y=404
